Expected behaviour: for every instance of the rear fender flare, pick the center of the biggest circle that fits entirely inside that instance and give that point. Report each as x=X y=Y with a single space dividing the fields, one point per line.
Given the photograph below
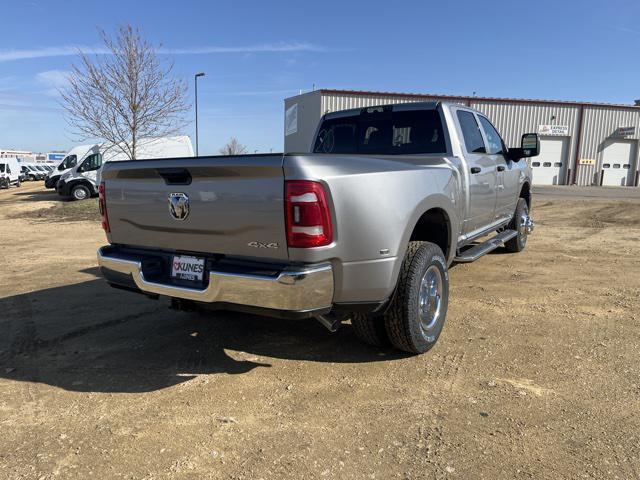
x=438 y=201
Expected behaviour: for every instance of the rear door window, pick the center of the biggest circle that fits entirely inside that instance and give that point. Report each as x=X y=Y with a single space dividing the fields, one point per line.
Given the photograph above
x=473 y=140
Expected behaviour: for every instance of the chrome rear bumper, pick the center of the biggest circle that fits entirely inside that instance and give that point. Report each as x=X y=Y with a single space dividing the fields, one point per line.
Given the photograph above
x=298 y=289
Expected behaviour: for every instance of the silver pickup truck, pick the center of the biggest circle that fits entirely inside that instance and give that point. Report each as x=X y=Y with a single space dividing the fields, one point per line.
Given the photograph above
x=362 y=228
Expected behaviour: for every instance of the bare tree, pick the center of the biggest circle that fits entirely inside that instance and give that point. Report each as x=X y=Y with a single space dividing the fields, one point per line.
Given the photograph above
x=125 y=96
x=233 y=147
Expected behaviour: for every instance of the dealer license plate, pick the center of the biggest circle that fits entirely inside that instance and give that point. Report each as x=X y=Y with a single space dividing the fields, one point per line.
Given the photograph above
x=184 y=267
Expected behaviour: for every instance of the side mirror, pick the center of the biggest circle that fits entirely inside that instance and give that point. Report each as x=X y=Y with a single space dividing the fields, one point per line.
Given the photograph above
x=529 y=147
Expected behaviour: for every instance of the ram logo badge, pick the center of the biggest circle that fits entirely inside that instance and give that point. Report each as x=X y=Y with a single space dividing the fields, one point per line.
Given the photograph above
x=179 y=205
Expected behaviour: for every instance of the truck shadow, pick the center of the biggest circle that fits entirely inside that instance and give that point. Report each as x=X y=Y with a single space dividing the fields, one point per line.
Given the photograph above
x=43 y=195
x=89 y=337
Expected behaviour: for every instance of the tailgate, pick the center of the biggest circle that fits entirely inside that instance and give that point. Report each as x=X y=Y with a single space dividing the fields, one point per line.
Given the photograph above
x=221 y=205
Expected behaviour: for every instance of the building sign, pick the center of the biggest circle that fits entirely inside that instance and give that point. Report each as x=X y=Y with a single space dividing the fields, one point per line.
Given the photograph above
x=55 y=156
x=554 y=130
x=625 y=131
x=291 y=120
x=587 y=161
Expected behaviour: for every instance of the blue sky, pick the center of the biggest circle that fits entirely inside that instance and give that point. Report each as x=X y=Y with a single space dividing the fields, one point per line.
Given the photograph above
x=257 y=53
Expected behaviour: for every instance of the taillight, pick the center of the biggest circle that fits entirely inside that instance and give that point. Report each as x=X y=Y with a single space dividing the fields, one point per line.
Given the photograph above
x=102 y=203
x=307 y=214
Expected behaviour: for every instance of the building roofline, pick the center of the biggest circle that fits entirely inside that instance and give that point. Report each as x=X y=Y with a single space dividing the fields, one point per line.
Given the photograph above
x=528 y=101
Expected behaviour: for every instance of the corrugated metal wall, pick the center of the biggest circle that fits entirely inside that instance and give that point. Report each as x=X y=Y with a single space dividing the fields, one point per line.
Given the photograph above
x=600 y=126
x=334 y=103
x=512 y=119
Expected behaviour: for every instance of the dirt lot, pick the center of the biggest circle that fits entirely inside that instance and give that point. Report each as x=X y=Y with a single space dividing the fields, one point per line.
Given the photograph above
x=536 y=374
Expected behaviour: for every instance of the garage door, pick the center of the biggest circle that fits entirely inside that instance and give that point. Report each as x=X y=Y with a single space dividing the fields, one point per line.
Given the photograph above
x=549 y=168
x=617 y=163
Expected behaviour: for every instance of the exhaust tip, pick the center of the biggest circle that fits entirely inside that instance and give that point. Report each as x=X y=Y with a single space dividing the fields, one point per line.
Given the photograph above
x=330 y=321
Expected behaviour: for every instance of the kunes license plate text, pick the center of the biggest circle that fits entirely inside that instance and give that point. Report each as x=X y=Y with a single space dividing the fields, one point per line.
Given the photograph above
x=187 y=268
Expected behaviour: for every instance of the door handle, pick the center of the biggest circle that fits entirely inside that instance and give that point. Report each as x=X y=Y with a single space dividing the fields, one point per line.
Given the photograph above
x=475 y=170
x=501 y=168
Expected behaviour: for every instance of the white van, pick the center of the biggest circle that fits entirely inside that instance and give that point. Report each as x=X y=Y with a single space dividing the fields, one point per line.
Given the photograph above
x=9 y=172
x=69 y=161
x=82 y=181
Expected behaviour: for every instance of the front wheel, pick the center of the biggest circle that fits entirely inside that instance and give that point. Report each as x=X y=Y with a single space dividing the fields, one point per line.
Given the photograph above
x=80 y=192
x=522 y=224
x=416 y=315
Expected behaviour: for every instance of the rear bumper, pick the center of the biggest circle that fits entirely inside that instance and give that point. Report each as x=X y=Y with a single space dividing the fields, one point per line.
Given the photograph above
x=303 y=289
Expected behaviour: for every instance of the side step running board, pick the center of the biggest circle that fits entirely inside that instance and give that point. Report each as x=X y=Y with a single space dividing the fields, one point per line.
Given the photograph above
x=475 y=252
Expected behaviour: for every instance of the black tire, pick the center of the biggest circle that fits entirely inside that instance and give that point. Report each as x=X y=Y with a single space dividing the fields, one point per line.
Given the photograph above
x=402 y=319
x=80 y=192
x=370 y=329
x=519 y=242
x=18 y=183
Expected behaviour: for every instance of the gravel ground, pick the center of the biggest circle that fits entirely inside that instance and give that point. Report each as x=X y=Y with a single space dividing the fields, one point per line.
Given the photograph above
x=536 y=374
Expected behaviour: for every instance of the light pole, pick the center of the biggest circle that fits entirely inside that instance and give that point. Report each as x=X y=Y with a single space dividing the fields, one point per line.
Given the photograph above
x=201 y=74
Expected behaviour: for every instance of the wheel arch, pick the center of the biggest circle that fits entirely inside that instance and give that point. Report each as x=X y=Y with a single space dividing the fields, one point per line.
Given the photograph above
x=434 y=226
x=525 y=192
x=74 y=183
x=434 y=220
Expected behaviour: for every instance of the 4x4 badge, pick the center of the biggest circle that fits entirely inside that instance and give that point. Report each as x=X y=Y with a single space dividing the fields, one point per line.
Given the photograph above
x=256 y=244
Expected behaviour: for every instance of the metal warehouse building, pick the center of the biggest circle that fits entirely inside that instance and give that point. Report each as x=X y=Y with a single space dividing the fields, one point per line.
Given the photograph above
x=581 y=143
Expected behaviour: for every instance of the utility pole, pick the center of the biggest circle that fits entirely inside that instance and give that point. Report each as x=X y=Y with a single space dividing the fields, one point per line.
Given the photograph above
x=201 y=74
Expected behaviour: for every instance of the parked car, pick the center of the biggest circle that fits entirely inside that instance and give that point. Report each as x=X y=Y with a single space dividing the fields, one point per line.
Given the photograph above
x=24 y=172
x=9 y=172
x=365 y=227
x=32 y=173
x=43 y=170
x=82 y=181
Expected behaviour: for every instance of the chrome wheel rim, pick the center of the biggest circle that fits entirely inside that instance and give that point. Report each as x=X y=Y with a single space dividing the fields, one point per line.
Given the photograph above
x=79 y=194
x=523 y=226
x=430 y=299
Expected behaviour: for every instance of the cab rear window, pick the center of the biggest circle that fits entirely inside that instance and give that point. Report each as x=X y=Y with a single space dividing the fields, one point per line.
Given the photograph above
x=382 y=131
